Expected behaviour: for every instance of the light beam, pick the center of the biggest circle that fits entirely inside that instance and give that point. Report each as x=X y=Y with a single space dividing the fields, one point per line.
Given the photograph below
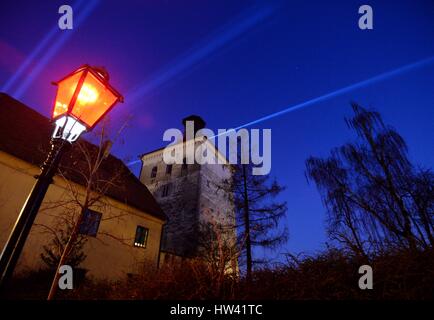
x=358 y=85
x=49 y=46
x=228 y=32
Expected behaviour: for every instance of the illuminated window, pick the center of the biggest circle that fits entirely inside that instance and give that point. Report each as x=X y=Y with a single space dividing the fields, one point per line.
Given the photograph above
x=141 y=237
x=154 y=172
x=90 y=223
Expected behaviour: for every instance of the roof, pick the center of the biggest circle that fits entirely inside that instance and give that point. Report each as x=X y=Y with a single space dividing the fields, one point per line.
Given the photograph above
x=147 y=153
x=208 y=143
x=199 y=123
x=25 y=134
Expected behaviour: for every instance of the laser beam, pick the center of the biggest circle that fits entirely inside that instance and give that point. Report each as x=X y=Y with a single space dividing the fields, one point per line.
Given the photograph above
x=205 y=48
x=358 y=85
x=48 y=52
x=37 y=50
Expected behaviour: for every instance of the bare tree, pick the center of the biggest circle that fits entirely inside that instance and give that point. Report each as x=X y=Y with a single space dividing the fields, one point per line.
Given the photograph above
x=89 y=179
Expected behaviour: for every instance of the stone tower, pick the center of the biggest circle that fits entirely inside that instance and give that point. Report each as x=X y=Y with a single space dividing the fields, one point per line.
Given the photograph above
x=188 y=194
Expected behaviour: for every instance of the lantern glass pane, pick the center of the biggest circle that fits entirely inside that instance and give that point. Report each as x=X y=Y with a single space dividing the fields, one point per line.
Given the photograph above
x=93 y=101
x=65 y=91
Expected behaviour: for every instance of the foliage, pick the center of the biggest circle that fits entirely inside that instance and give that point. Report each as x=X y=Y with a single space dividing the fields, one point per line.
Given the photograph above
x=258 y=212
x=330 y=275
x=53 y=252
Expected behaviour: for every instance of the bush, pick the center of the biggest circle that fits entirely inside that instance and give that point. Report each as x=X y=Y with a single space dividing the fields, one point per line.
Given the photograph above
x=327 y=276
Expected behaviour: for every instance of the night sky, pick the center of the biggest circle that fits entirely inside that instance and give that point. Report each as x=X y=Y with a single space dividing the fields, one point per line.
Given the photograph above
x=233 y=62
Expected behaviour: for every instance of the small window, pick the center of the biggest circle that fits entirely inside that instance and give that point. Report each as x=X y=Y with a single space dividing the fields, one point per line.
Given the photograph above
x=169 y=169
x=141 y=237
x=90 y=223
x=154 y=172
x=184 y=168
x=166 y=190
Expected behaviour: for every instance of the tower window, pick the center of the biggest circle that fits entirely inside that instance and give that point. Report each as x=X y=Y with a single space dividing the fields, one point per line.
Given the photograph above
x=154 y=172
x=141 y=237
x=166 y=190
x=184 y=168
x=169 y=169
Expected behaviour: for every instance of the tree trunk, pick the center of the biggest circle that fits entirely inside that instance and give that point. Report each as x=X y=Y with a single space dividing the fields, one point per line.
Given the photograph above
x=247 y=227
x=65 y=254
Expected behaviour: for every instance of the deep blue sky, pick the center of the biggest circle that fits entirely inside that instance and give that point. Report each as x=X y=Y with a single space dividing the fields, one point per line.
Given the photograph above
x=232 y=62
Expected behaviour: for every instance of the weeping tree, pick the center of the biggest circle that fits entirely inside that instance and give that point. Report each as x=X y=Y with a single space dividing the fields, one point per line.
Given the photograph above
x=375 y=198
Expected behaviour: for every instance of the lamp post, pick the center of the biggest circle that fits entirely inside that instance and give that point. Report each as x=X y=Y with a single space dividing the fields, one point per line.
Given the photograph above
x=82 y=100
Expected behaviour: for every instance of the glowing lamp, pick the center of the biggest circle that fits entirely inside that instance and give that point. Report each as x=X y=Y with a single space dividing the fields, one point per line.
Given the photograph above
x=83 y=98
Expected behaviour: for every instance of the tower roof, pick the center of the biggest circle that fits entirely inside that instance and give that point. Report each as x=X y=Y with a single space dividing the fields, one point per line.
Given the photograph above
x=199 y=123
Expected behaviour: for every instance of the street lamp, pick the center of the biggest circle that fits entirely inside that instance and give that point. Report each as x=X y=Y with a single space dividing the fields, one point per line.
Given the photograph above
x=82 y=100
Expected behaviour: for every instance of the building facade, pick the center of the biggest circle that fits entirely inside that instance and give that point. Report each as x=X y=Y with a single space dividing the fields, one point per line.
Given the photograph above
x=191 y=195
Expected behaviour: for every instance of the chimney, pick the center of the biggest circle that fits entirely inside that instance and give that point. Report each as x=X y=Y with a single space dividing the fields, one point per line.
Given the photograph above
x=198 y=122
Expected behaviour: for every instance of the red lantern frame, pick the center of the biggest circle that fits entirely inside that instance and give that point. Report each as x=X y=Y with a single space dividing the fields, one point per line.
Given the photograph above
x=102 y=77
